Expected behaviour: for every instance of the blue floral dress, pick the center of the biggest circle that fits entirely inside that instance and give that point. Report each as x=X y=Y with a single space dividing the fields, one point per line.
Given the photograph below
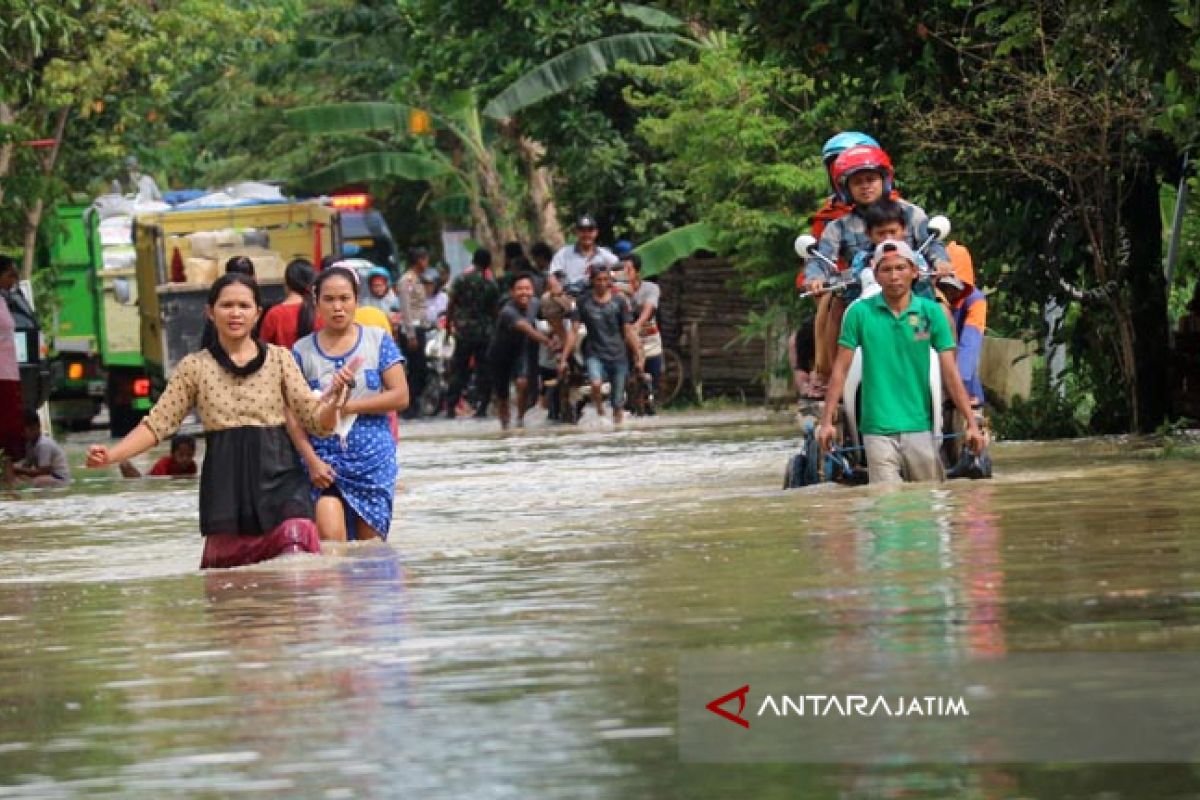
x=365 y=458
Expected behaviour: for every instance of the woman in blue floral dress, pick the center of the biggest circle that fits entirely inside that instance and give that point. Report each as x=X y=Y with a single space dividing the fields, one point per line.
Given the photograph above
x=354 y=471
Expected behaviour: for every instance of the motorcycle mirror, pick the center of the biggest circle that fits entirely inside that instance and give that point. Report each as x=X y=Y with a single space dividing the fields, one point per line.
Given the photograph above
x=939 y=226
x=804 y=245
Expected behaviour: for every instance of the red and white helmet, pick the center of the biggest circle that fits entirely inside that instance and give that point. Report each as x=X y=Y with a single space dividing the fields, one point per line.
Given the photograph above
x=857 y=159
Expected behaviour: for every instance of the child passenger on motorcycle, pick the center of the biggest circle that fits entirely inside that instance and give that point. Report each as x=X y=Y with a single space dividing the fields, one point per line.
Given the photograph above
x=885 y=220
x=863 y=175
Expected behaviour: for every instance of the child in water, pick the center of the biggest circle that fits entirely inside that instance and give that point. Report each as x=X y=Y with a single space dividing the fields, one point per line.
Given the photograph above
x=180 y=463
x=45 y=463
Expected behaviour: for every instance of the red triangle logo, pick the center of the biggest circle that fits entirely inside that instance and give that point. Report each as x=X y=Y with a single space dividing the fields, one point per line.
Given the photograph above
x=740 y=694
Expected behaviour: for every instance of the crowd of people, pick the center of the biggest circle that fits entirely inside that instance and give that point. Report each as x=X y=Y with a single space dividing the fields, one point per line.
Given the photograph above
x=299 y=402
x=519 y=334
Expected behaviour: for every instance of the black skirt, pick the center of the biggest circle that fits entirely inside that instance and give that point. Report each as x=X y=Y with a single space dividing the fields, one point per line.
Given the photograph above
x=251 y=482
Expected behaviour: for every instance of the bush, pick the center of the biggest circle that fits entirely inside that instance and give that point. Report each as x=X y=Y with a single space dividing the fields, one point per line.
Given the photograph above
x=1048 y=413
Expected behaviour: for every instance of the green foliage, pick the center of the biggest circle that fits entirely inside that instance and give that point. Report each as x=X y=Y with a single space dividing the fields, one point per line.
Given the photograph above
x=115 y=76
x=1046 y=414
x=376 y=167
x=729 y=133
x=651 y=17
x=349 y=118
x=577 y=65
x=661 y=252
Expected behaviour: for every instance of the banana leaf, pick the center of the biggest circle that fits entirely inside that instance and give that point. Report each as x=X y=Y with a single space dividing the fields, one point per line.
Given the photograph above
x=661 y=252
x=456 y=206
x=348 y=118
x=651 y=17
x=375 y=167
x=579 y=64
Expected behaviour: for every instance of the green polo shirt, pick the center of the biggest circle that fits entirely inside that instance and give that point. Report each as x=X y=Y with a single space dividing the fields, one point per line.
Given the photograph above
x=895 y=361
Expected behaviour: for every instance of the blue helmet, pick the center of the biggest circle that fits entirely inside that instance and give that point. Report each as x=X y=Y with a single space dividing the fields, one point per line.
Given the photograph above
x=841 y=142
x=378 y=272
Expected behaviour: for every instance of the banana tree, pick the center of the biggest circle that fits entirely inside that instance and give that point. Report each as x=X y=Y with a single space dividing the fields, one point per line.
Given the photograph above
x=468 y=168
x=475 y=163
x=661 y=252
x=565 y=72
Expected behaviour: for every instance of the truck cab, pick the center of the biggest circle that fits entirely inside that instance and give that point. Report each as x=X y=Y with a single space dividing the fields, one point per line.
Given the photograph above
x=365 y=233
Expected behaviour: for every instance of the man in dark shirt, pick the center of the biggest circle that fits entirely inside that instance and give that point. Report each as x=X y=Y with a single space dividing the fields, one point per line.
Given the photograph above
x=610 y=338
x=471 y=316
x=513 y=351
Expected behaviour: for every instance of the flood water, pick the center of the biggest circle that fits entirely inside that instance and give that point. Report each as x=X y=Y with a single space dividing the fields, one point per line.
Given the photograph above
x=520 y=635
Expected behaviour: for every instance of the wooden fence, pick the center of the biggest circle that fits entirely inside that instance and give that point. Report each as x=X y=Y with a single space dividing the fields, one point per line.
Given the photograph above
x=701 y=314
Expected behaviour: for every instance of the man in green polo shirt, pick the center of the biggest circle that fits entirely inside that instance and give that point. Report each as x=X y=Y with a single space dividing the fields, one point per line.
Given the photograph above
x=897 y=331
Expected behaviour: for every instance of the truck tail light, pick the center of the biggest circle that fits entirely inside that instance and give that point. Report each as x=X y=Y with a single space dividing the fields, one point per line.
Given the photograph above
x=350 y=202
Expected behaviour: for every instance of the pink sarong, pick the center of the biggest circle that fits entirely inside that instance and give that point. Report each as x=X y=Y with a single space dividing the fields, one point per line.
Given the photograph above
x=296 y=535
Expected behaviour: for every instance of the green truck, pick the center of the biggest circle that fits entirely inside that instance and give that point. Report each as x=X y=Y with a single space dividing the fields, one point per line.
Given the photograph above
x=95 y=346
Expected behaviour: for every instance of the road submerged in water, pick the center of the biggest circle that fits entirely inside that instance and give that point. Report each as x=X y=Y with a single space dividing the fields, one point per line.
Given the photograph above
x=521 y=634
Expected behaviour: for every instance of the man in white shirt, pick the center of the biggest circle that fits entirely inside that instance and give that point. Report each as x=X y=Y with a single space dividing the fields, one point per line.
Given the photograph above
x=576 y=260
x=437 y=300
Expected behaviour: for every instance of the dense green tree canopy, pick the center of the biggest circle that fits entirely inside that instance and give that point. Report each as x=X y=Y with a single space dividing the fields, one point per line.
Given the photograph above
x=1048 y=131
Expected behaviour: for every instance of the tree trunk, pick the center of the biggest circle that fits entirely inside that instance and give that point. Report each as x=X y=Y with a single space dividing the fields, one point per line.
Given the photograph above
x=33 y=220
x=493 y=191
x=541 y=193
x=483 y=226
x=33 y=215
x=6 y=150
x=1150 y=395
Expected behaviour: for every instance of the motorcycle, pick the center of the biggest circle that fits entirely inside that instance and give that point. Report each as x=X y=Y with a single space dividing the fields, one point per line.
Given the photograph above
x=439 y=350
x=846 y=460
x=569 y=394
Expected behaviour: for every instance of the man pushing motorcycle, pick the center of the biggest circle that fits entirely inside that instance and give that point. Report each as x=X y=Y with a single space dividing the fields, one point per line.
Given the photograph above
x=897 y=331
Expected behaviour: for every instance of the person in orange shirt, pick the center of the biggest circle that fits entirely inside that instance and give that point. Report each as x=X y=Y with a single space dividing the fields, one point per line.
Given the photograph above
x=968 y=307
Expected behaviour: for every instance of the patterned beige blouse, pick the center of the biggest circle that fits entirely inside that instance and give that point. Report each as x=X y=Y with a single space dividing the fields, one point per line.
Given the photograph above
x=226 y=401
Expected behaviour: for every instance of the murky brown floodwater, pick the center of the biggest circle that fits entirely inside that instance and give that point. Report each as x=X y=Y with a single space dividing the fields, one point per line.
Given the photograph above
x=521 y=634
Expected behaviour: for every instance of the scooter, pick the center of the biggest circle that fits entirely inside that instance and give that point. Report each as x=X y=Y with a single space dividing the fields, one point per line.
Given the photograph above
x=846 y=460
x=572 y=391
x=439 y=350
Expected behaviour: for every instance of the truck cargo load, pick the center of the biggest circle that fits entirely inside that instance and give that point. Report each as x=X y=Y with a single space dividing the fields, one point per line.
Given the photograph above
x=181 y=252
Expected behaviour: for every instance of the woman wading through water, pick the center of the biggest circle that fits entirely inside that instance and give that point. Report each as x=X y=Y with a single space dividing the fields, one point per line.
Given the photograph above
x=354 y=474
x=255 y=502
